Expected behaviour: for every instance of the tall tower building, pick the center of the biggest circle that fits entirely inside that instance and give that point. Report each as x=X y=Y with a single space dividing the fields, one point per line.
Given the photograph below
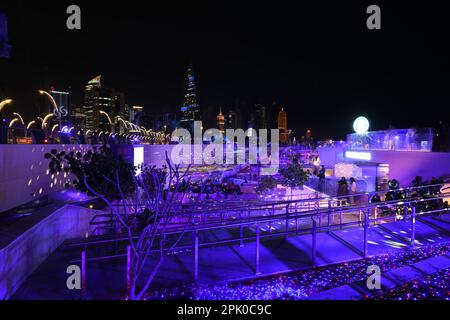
x=191 y=109
x=5 y=48
x=62 y=99
x=221 y=122
x=98 y=98
x=282 y=126
x=233 y=120
x=261 y=117
x=136 y=115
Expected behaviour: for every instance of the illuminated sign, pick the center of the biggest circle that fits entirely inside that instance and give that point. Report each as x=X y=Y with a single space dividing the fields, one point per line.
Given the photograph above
x=367 y=156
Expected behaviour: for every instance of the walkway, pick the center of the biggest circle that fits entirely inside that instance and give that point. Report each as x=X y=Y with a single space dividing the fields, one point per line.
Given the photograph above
x=106 y=279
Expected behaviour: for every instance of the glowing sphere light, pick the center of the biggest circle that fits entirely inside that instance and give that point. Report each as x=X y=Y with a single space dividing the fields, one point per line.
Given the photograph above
x=361 y=125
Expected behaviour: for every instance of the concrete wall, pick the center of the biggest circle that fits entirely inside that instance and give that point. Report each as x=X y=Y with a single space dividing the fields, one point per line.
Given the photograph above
x=23 y=173
x=20 y=258
x=406 y=165
x=24 y=176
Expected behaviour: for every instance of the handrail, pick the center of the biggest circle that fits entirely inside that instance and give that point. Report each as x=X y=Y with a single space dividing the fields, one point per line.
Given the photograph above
x=314 y=229
x=318 y=199
x=246 y=221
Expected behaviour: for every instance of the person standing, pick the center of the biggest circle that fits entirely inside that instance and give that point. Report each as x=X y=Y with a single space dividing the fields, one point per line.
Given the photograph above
x=342 y=190
x=352 y=189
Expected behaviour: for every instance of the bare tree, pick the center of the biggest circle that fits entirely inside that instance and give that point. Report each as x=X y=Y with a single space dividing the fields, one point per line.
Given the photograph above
x=144 y=205
x=159 y=198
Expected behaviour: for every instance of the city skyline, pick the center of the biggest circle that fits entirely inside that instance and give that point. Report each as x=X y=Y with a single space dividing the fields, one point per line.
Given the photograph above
x=201 y=152
x=345 y=71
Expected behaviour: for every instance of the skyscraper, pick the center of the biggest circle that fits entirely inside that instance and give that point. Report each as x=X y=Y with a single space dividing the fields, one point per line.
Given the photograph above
x=62 y=100
x=98 y=98
x=261 y=117
x=122 y=109
x=233 y=120
x=191 y=109
x=282 y=126
x=136 y=114
x=221 y=122
x=5 y=48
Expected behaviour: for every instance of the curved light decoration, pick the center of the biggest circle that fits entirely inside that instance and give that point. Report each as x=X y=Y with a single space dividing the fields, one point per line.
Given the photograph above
x=4 y=103
x=13 y=121
x=44 y=122
x=30 y=124
x=123 y=121
x=50 y=97
x=54 y=127
x=131 y=125
x=107 y=116
x=20 y=118
x=361 y=125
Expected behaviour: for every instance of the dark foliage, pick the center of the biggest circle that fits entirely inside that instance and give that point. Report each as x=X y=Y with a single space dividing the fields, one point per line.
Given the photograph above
x=100 y=166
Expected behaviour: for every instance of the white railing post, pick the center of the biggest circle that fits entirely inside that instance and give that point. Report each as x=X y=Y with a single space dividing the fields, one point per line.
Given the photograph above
x=258 y=240
x=196 y=252
x=413 y=225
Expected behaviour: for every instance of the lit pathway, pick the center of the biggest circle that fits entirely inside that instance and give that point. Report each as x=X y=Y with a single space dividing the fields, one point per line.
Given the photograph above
x=106 y=280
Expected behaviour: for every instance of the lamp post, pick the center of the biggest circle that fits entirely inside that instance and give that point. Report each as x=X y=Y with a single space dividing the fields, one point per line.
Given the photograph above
x=30 y=124
x=44 y=121
x=23 y=122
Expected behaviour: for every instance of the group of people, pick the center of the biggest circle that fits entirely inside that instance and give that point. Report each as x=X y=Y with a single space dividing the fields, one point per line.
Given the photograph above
x=347 y=188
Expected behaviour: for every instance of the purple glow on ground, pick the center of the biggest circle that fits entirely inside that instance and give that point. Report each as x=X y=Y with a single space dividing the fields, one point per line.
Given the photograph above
x=432 y=287
x=303 y=284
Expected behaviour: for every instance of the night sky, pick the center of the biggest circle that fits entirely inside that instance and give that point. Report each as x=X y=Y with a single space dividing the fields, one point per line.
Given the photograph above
x=318 y=60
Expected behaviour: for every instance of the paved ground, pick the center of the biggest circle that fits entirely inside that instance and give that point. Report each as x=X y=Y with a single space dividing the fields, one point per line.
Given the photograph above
x=106 y=280
x=389 y=280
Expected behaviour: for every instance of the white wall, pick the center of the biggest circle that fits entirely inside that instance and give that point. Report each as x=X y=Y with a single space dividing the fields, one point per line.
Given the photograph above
x=23 y=173
x=22 y=257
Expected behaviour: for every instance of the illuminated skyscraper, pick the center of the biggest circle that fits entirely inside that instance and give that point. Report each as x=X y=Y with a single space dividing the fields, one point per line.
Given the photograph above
x=98 y=98
x=190 y=109
x=221 y=122
x=62 y=100
x=282 y=126
x=136 y=114
x=4 y=45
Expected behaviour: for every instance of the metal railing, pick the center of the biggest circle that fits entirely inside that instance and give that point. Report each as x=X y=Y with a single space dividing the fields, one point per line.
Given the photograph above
x=253 y=228
x=329 y=205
